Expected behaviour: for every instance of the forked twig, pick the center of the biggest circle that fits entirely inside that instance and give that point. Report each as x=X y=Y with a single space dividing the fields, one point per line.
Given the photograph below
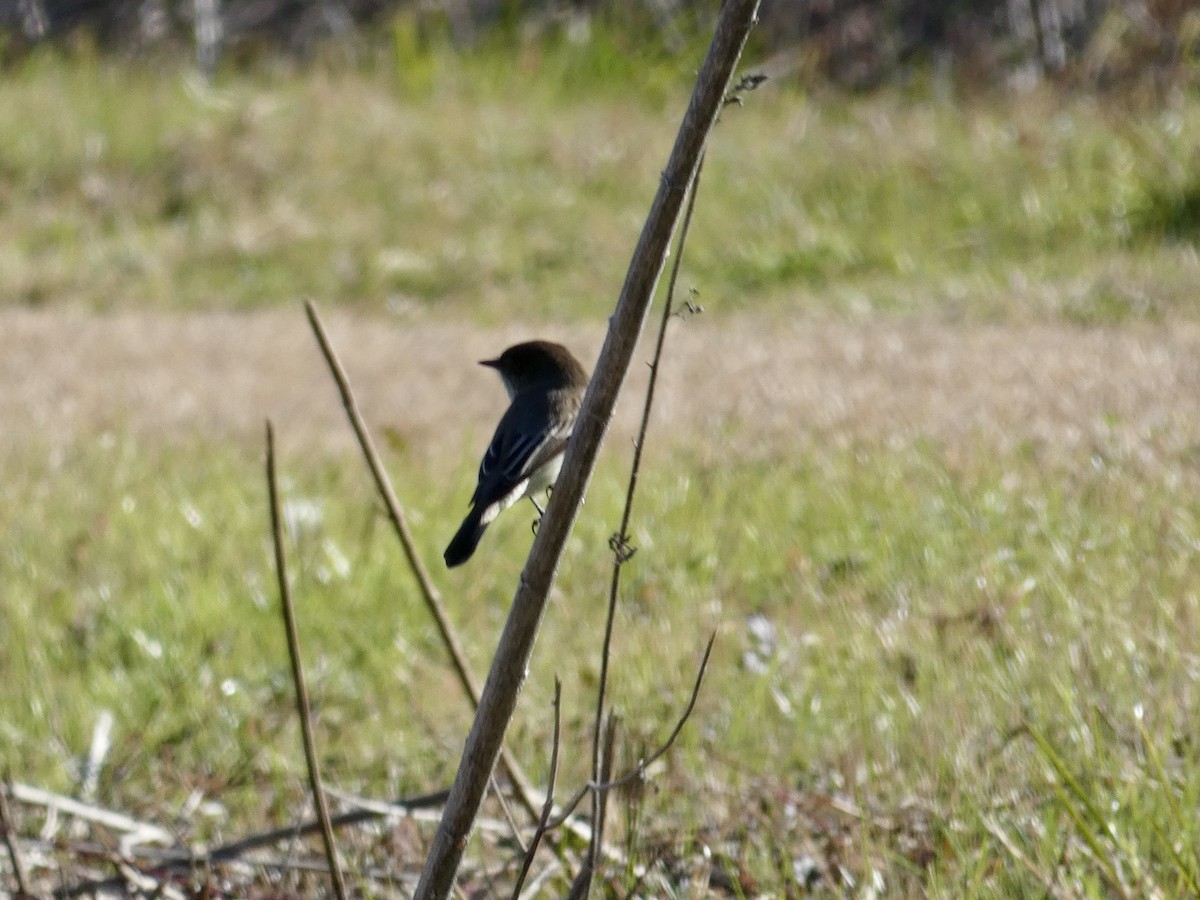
x=622 y=550
x=10 y=835
x=302 y=705
x=640 y=769
x=548 y=806
x=429 y=593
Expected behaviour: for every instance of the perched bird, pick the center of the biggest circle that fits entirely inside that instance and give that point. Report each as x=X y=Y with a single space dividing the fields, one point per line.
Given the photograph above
x=545 y=384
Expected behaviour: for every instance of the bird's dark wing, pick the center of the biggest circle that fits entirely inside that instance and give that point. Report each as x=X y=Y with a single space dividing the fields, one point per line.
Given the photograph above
x=517 y=449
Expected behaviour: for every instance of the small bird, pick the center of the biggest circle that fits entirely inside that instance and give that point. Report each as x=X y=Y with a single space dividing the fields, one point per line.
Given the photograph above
x=545 y=384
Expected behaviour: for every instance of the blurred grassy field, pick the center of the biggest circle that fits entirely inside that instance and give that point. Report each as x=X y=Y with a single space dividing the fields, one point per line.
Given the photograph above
x=500 y=190
x=950 y=661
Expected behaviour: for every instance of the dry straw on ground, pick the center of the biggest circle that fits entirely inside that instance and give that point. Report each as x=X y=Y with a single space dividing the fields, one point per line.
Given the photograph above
x=70 y=375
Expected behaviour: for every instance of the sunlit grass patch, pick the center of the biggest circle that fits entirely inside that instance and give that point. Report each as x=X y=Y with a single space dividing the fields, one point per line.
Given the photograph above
x=959 y=668
x=468 y=195
x=890 y=624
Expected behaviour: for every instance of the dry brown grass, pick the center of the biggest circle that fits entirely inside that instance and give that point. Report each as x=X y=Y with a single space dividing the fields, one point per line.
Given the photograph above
x=762 y=383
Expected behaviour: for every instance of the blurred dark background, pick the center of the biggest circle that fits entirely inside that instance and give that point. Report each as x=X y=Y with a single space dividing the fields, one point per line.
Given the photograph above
x=857 y=44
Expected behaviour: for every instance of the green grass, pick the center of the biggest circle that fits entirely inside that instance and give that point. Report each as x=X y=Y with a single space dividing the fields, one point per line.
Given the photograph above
x=497 y=184
x=969 y=671
x=929 y=617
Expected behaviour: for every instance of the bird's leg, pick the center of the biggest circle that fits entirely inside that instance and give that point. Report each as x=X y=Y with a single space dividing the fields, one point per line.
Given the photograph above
x=541 y=512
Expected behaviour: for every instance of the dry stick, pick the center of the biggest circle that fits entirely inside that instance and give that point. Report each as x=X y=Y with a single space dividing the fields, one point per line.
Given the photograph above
x=639 y=770
x=544 y=876
x=302 y=706
x=622 y=551
x=235 y=849
x=433 y=600
x=520 y=630
x=135 y=831
x=581 y=888
x=548 y=806
x=10 y=838
x=174 y=860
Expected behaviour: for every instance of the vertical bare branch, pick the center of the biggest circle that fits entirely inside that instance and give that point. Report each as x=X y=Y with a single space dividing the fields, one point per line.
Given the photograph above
x=520 y=630
x=10 y=839
x=622 y=550
x=293 y=642
x=429 y=593
x=582 y=887
x=548 y=806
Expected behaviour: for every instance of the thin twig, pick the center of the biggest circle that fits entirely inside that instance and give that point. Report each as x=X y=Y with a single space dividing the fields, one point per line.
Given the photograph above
x=172 y=860
x=639 y=770
x=535 y=886
x=302 y=705
x=622 y=551
x=433 y=600
x=419 y=807
x=429 y=593
x=10 y=839
x=582 y=887
x=506 y=811
x=365 y=813
x=548 y=806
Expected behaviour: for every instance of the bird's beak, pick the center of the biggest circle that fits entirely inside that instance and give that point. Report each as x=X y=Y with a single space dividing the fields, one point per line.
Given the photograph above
x=490 y=363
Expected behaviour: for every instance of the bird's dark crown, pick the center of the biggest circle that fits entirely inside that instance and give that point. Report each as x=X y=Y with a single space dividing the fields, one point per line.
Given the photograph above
x=542 y=363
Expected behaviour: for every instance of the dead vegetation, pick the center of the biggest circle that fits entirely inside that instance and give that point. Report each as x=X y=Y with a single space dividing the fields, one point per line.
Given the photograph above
x=782 y=383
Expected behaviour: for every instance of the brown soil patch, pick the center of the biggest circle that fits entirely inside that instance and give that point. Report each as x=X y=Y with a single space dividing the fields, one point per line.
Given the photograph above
x=68 y=376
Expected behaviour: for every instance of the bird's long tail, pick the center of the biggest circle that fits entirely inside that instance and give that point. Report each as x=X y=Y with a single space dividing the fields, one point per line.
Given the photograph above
x=464 y=542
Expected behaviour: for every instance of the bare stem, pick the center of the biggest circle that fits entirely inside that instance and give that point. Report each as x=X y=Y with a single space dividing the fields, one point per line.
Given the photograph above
x=234 y=849
x=302 y=705
x=622 y=551
x=548 y=806
x=429 y=593
x=639 y=770
x=581 y=888
x=432 y=598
